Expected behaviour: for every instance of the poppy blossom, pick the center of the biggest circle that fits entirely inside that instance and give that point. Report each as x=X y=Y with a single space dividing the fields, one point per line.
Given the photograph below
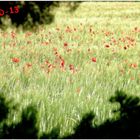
x=134 y=65
x=107 y=46
x=93 y=59
x=65 y=44
x=62 y=63
x=45 y=43
x=125 y=47
x=15 y=60
x=55 y=49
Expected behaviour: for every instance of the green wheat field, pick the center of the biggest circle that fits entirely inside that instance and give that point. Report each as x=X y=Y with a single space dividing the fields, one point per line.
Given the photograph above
x=73 y=65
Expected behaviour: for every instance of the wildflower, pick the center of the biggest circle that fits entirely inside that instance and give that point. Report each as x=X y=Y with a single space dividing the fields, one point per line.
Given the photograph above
x=65 y=44
x=108 y=33
x=62 y=63
x=45 y=43
x=107 y=46
x=134 y=65
x=125 y=47
x=15 y=60
x=71 y=67
x=54 y=49
x=93 y=59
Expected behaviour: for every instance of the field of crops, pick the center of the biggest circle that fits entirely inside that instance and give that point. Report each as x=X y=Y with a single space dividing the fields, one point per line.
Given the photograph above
x=74 y=65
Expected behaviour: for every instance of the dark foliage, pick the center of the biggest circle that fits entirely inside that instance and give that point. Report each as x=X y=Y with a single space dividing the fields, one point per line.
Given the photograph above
x=54 y=134
x=26 y=128
x=127 y=125
x=4 y=109
x=32 y=13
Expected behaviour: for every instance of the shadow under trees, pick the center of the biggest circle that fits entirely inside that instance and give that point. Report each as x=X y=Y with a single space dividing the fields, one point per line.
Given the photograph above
x=127 y=125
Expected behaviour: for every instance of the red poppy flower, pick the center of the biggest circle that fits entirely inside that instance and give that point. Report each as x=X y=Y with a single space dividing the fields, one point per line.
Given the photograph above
x=134 y=65
x=54 y=49
x=62 y=63
x=15 y=60
x=93 y=59
x=107 y=46
x=125 y=47
x=65 y=44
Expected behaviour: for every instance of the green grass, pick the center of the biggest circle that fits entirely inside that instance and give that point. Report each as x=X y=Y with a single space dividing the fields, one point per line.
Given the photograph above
x=62 y=97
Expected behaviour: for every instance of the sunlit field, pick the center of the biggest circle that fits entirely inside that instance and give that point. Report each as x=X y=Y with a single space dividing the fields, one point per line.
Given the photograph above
x=74 y=65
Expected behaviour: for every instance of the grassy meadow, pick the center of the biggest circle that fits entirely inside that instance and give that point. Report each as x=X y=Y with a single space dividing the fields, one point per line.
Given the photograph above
x=74 y=65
